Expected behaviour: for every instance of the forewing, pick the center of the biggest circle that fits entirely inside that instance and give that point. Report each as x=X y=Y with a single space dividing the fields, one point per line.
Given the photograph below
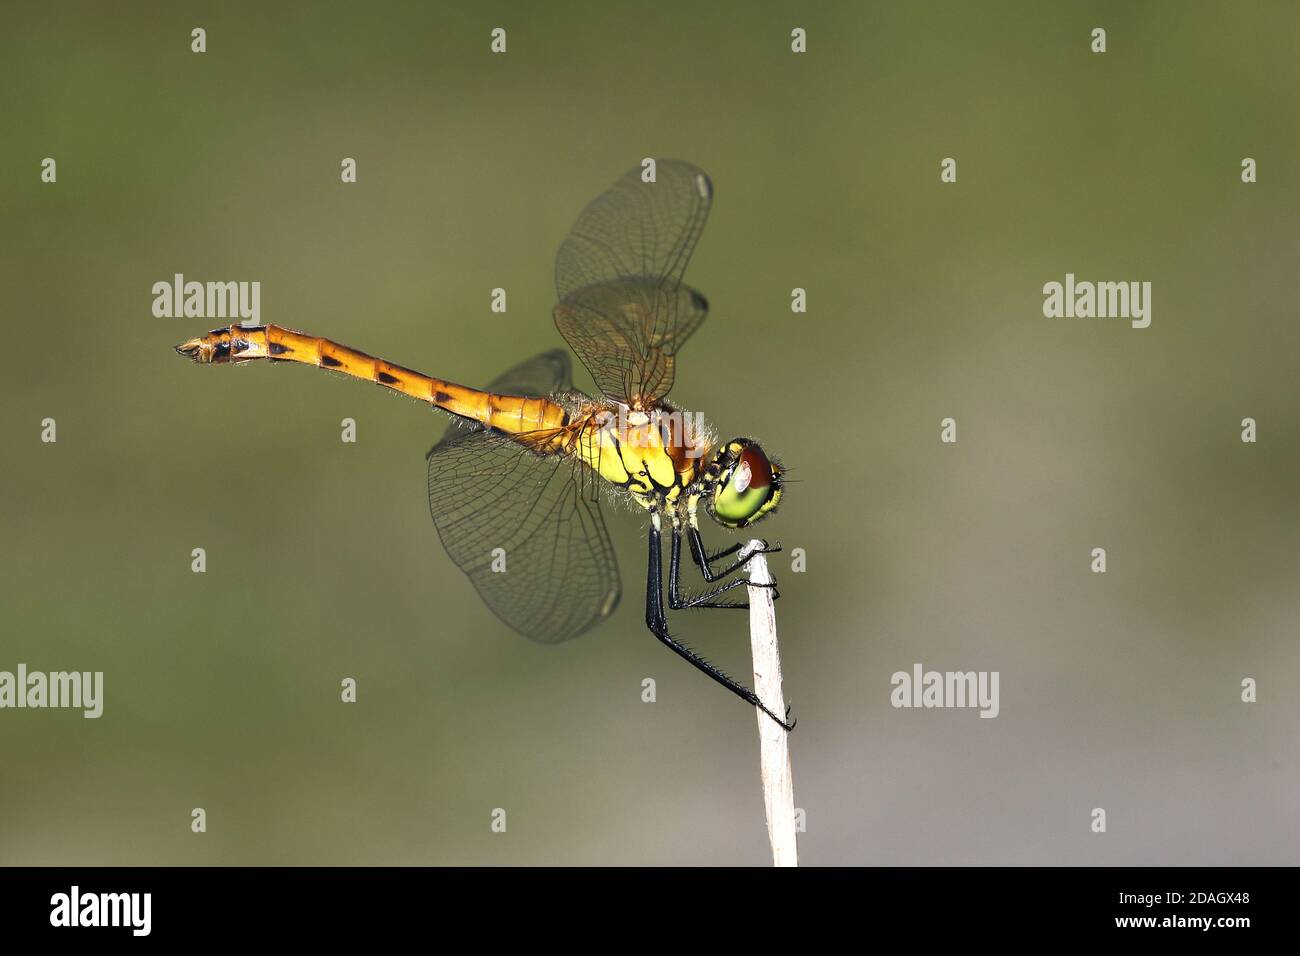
x=623 y=307
x=627 y=333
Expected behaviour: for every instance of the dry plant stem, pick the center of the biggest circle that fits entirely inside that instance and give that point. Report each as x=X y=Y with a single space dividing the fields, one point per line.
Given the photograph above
x=773 y=740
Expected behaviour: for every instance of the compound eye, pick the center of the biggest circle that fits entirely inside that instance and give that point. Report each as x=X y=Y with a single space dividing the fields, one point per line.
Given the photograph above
x=741 y=476
x=753 y=470
x=746 y=488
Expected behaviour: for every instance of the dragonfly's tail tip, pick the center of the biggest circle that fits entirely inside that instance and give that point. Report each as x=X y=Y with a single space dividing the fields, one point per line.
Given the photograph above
x=200 y=350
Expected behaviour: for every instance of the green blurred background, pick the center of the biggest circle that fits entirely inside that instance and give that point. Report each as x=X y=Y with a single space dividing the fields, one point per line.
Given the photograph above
x=222 y=689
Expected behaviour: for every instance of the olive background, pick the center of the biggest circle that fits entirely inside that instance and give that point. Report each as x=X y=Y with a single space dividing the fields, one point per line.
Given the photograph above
x=1118 y=690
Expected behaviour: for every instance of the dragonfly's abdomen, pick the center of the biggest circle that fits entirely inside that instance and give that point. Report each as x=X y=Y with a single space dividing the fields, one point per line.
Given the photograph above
x=503 y=412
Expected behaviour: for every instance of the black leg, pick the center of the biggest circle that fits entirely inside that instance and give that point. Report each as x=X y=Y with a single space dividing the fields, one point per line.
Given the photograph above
x=700 y=558
x=705 y=560
x=677 y=602
x=657 y=622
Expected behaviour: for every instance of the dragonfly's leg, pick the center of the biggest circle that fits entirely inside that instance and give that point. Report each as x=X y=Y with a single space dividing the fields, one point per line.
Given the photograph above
x=677 y=602
x=704 y=560
x=657 y=622
x=655 y=618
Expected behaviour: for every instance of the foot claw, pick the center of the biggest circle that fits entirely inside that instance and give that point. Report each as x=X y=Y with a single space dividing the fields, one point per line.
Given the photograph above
x=788 y=724
x=764 y=548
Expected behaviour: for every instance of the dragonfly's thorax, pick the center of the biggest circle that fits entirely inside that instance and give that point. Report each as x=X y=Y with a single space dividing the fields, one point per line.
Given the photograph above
x=654 y=455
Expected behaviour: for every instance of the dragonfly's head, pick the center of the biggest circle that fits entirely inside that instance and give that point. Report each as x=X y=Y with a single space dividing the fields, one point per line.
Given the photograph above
x=746 y=484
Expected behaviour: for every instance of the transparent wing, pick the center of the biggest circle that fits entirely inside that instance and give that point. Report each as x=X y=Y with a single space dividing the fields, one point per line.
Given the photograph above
x=623 y=307
x=543 y=374
x=521 y=525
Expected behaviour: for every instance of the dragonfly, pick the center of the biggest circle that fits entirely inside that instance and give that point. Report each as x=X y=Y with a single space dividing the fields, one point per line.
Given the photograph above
x=515 y=485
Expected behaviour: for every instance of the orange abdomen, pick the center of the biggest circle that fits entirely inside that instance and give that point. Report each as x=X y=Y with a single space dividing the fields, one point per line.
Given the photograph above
x=507 y=413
